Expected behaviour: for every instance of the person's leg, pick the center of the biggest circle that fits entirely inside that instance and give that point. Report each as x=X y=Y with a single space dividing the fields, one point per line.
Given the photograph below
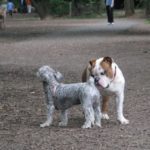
x=30 y=8
x=108 y=13
x=10 y=12
x=111 y=15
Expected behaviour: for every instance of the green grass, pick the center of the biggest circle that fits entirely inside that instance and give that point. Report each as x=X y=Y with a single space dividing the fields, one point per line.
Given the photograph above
x=147 y=21
x=87 y=16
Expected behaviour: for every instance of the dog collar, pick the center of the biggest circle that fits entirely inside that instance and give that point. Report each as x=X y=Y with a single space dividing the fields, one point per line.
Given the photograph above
x=53 y=90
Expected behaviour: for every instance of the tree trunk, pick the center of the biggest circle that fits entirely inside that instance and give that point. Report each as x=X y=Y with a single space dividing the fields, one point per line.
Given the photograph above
x=129 y=7
x=42 y=7
x=147 y=8
x=76 y=8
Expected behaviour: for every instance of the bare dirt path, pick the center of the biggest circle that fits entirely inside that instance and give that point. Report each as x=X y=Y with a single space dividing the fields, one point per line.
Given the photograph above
x=68 y=45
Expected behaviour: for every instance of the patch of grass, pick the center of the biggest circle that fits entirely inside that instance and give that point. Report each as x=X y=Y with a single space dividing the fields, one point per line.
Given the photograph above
x=82 y=17
x=87 y=16
x=147 y=21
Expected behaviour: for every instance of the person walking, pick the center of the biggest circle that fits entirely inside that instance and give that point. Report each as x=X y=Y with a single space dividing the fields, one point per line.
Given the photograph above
x=109 y=10
x=29 y=6
x=10 y=7
x=22 y=6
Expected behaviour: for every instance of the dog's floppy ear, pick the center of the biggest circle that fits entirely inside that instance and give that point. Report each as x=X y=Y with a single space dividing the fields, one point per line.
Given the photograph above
x=106 y=64
x=92 y=62
x=58 y=76
x=108 y=60
x=87 y=71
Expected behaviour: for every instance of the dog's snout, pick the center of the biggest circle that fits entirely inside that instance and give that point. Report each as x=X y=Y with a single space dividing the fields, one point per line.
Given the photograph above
x=96 y=79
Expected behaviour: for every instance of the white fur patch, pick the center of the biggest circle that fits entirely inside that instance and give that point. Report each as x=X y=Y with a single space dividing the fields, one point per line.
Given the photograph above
x=105 y=116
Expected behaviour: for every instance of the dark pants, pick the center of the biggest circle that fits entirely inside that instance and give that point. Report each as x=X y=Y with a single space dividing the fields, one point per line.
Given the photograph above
x=10 y=12
x=110 y=14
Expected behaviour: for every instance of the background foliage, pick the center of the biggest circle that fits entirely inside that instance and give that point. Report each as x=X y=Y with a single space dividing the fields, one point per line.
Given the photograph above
x=83 y=7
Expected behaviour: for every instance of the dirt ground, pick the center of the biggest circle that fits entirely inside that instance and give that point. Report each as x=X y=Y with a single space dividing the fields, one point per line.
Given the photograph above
x=68 y=45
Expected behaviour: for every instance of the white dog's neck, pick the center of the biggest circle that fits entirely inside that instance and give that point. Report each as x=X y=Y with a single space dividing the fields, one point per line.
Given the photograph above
x=53 y=87
x=114 y=67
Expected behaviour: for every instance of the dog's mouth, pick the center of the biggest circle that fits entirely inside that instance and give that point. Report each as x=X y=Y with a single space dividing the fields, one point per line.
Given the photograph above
x=101 y=86
x=100 y=83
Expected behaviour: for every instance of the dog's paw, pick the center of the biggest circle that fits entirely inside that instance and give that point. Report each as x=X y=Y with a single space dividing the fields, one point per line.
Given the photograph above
x=98 y=124
x=123 y=121
x=86 y=126
x=62 y=124
x=46 y=124
x=105 y=116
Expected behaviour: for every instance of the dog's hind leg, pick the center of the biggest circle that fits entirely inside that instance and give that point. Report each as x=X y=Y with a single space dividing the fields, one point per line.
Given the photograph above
x=119 y=102
x=64 y=118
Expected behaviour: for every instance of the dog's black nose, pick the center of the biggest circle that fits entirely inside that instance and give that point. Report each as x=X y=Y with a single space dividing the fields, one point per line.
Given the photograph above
x=96 y=79
x=92 y=75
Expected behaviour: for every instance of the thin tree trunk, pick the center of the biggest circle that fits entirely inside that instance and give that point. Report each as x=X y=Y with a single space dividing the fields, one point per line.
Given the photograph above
x=147 y=8
x=129 y=7
x=76 y=8
x=42 y=7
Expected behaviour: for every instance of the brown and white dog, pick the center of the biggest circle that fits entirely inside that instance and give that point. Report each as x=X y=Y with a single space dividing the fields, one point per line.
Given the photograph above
x=109 y=80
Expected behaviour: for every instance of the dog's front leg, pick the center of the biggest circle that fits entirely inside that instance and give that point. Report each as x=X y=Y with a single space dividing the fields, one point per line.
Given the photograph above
x=50 y=105
x=105 y=100
x=97 y=113
x=89 y=116
x=119 y=102
x=64 y=118
x=49 y=120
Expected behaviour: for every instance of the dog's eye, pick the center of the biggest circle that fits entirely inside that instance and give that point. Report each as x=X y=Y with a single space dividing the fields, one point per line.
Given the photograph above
x=55 y=76
x=103 y=73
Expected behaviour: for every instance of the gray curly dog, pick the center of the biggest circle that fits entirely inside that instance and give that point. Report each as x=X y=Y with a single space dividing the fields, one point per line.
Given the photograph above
x=63 y=96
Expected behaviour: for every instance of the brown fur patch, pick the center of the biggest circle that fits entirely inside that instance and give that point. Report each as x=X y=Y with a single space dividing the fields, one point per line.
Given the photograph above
x=106 y=65
x=85 y=74
x=87 y=71
x=105 y=104
x=108 y=60
x=92 y=63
